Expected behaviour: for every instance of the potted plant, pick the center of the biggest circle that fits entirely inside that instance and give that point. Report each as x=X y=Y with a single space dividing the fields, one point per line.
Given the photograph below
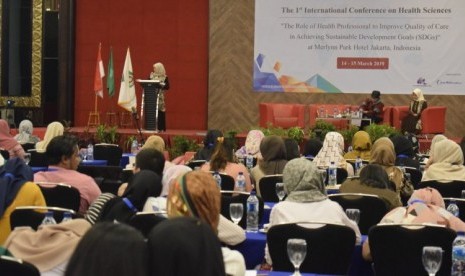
x=296 y=133
x=377 y=131
x=181 y=144
x=320 y=129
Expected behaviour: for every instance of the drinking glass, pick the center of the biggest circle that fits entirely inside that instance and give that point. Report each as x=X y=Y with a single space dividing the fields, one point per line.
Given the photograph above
x=235 y=212
x=27 y=158
x=432 y=258
x=296 y=250
x=353 y=214
x=323 y=174
x=280 y=191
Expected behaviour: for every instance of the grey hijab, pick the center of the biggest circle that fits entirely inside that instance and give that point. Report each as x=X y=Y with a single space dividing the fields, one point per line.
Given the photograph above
x=303 y=182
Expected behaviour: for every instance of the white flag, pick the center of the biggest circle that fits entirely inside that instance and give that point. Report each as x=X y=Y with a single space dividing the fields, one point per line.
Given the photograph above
x=127 y=92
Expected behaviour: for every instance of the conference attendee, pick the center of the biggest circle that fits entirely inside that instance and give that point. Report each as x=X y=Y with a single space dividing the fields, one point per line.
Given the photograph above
x=48 y=248
x=25 y=133
x=209 y=144
x=445 y=163
x=375 y=181
x=196 y=194
x=306 y=200
x=157 y=143
x=273 y=160
x=170 y=175
x=424 y=206
x=53 y=130
x=222 y=161
x=361 y=146
x=292 y=148
x=312 y=148
x=185 y=246
x=412 y=122
x=252 y=144
x=159 y=74
x=372 y=108
x=8 y=142
x=16 y=189
x=405 y=156
x=110 y=249
x=145 y=184
x=63 y=157
x=436 y=138
x=333 y=151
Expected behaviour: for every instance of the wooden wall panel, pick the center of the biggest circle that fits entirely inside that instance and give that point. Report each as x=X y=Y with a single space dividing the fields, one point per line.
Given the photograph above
x=232 y=104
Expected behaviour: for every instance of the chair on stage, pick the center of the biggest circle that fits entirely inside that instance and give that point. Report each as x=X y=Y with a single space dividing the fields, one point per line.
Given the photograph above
x=227 y=182
x=10 y=266
x=282 y=115
x=397 y=248
x=434 y=120
x=372 y=208
x=228 y=197
x=329 y=247
x=446 y=189
x=60 y=195
x=110 y=152
x=267 y=187
x=145 y=221
x=32 y=216
x=398 y=115
x=108 y=178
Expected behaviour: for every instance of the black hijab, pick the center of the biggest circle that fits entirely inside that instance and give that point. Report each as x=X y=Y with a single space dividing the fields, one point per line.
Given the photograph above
x=209 y=144
x=273 y=152
x=13 y=175
x=184 y=246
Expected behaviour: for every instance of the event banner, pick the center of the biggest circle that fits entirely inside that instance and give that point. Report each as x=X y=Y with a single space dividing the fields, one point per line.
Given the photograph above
x=334 y=46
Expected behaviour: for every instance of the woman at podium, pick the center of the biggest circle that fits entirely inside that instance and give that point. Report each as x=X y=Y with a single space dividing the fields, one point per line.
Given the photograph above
x=159 y=74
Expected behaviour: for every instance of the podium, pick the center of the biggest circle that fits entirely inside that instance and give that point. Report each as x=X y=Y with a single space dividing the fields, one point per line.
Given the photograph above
x=151 y=90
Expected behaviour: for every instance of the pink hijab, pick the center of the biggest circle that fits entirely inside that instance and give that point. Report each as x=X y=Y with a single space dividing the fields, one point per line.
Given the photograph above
x=6 y=139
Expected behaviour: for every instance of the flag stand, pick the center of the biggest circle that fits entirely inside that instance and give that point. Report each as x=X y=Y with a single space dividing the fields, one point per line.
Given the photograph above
x=94 y=116
x=125 y=120
x=111 y=119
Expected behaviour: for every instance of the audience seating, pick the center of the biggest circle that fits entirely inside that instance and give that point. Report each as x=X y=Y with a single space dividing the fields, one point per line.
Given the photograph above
x=239 y=197
x=110 y=152
x=460 y=203
x=10 y=266
x=108 y=178
x=267 y=187
x=38 y=159
x=372 y=208
x=227 y=182
x=60 y=195
x=32 y=216
x=397 y=249
x=282 y=115
x=329 y=247
x=145 y=221
x=446 y=189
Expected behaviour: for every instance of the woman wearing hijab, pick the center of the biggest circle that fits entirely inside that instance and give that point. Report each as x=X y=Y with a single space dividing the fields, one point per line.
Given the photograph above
x=373 y=180
x=424 y=206
x=333 y=151
x=312 y=148
x=16 y=189
x=209 y=144
x=446 y=163
x=25 y=133
x=156 y=142
x=196 y=194
x=436 y=138
x=412 y=122
x=53 y=129
x=273 y=159
x=405 y=157
x=306 y=199
x=144 y=184
x=184 y=246
x=383 y=154
x=7 y=142
x=159 y=74
x=361 y=146
x=252 y=144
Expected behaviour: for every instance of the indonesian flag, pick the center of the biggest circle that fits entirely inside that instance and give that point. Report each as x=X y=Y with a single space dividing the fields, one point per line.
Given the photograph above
x=99 y=74
x=127 y=91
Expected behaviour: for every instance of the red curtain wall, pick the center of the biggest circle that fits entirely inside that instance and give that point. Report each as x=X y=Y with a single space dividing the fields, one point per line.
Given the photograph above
x=173 y=32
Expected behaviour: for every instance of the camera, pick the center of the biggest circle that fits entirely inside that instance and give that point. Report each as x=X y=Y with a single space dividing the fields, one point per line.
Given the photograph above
x=10 y=103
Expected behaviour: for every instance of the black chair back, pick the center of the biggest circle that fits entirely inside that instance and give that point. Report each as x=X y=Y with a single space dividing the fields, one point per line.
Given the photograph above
x=5 y=154
x=28 y=146
x=227 y=182
x=415 y=175
x=446 y=189
x=196 y=163
x=38 y=159
x=239 y=197
x=267 y=187
x=460 y=203
x=10 y=266
x=60 y=195
x=111 y=153
x=397 y=249
x=372 y=208
x=341 y=176
x=145 y=221
x=32 y=216
x=329 y=247
x=108 y=178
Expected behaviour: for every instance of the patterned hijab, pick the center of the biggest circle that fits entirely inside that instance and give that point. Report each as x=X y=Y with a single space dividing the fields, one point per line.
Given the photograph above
x=273 y=152
x=303 y=182
x=361 y=146
x=332 y=151
x=446 y=162
x=195 y=194
x=383 y=152
x=54 y=129
x=252 y=142
x=155 y=142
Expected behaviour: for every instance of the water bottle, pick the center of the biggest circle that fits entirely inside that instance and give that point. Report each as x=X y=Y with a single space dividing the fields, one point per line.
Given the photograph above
x=332 y=174
x=453 y=208
x=240 y=182
x=335 y=112
x=48 y=218
x=90 y=152
x=252 y=212
x=249 y=161
x=66 y=217
x=217 y=178
x=358 y=165
x=134 y=147
x=458 y=255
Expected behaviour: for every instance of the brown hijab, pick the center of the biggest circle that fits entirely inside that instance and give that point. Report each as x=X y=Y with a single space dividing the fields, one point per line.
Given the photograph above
x=383 y=154
x=273 y=152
